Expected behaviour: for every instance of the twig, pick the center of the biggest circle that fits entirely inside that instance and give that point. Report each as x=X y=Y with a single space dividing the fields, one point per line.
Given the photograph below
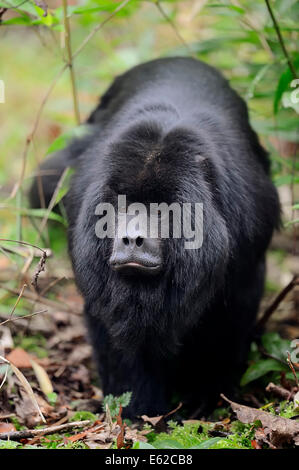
x=69 y=60
x=98 y=27
x=34 y=129
x=279 y=391
x=17 y=435
x=12 y=320
x=51 y=203
x=22 y=243
x=24 y=382
x=280 y=39
x=52 y=284
x=40 y=268
x=34 y=297
x=49 y=91
x=5 y=376
x=266 y=354
x=273 y=306
x=247 y=21
x=176 y=31
x=17 y=301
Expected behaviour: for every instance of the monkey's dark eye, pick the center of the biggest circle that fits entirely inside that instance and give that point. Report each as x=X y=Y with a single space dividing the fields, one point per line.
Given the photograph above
x=126 y=240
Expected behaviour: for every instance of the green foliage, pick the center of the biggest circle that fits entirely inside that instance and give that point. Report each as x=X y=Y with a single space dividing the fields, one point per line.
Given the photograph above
x=52 y=398
x=57 y=441
x=33 y=344
x=196 y=435
x=83 y=415
x=287 y=409
x=114 y=402
x=9 y=444
x=259 y=366
x=239 y=38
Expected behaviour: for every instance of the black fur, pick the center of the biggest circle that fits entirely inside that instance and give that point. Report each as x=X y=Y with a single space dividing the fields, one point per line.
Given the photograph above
x=188 y=329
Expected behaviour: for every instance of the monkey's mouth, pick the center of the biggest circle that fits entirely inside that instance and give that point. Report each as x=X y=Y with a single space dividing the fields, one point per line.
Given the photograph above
x=134 y=268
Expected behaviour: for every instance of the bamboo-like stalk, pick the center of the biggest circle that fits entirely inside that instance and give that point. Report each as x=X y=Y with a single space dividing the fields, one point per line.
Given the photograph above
x=70 y=60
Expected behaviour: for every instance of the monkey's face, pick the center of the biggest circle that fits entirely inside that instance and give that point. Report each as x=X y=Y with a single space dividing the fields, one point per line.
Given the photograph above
x=134 y=251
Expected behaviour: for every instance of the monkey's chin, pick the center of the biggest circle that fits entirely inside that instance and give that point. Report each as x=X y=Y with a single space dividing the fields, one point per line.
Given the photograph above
x=133 y=268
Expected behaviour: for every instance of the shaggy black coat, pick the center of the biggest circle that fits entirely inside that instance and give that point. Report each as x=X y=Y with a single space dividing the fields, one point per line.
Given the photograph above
x=171 y=130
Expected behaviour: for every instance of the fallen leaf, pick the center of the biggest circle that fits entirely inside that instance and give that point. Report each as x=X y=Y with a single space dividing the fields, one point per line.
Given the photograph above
x=19 y=358
x=25 y=384
x=255 y=444
x=95 y=428
x=42 y=377
x=6 y=427
x=278 y=430
x=159 y=422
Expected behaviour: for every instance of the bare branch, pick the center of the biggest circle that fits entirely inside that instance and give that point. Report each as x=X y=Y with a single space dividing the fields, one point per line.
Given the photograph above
x=49 y=91
x=169 y=20
x=34 y=297
x=22 y=243
x=12 y=320
x=280 y=39
x=273 y=306
x=24 y=434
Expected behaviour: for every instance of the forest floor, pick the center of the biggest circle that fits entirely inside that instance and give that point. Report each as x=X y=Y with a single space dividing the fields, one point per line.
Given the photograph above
x=50 y=395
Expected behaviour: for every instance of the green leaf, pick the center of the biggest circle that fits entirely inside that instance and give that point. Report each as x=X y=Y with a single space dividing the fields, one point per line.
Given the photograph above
x=40 y=213
x=168 y=444
x=65 y=186
x=283 y=85
x=206 y=444
x=64 y=139
x=291 y=222
x=52 y=398
x=275 y=345
x=21 y=20
x=142 y=445
x=261 y=368
x=281 y=180
x=115 y=402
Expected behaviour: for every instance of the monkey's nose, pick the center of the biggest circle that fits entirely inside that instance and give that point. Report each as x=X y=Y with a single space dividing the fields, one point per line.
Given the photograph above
x=138 y=241
x=136 y=253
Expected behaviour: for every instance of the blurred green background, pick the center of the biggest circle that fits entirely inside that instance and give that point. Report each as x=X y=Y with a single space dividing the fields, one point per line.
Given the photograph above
x=238 y=37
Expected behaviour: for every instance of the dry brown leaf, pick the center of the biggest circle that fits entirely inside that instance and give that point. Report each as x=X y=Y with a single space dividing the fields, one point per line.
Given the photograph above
x=19 y=358
x=154 y=420
x=159 y=422
x=81 y=435
x=6 y=427
x=27 y=412
x=135 y=435
x=278 y=430
x=26 y=386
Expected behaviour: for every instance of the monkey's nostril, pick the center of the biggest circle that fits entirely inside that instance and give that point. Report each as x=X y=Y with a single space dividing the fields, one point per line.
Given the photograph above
x=125 y=240
x=139 y=241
